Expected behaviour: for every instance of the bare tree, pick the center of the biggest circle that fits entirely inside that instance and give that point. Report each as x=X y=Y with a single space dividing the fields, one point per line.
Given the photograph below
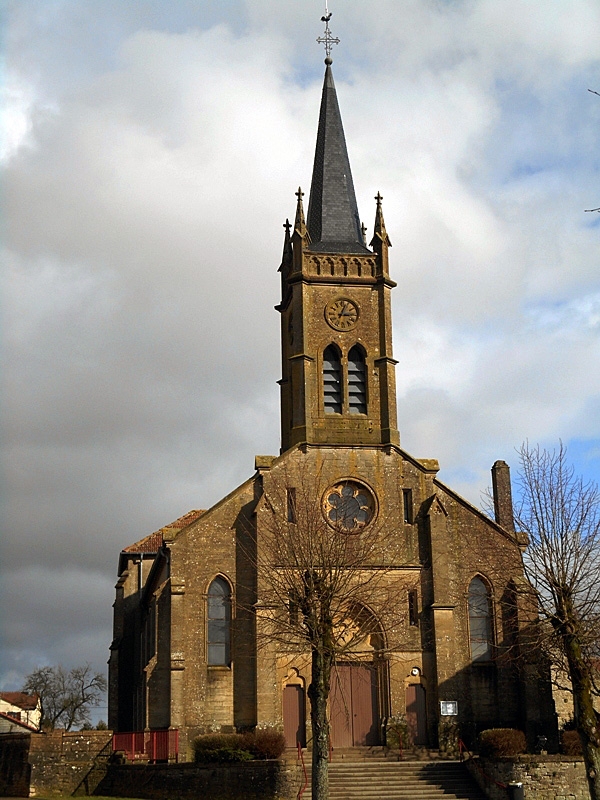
x=326 y=585
x=66 y=696
x=560 y=512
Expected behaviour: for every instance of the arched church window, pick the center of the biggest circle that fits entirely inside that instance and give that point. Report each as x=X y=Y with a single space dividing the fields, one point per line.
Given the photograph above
x=357 y=381
x=332 y=381
x=219 y=622
x=480 y=621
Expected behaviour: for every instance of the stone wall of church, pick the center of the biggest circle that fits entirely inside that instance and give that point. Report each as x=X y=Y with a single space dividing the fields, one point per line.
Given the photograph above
x=490 y=693
x=387 y=475
x=202 y=696
x=157 y=672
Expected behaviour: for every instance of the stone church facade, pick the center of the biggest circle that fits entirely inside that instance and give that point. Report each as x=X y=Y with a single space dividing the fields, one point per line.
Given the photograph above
x=187 y=651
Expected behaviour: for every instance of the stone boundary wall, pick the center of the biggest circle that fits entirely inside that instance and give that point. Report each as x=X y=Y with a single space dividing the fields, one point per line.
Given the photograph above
x=252 y=780
x=63 y=762
x=543 y=777
x=59 y=762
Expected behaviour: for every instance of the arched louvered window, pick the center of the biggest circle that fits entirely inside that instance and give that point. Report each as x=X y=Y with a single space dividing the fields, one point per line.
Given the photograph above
x=332 y=381
x=480 y=621
x=357 y=381
x=219 y=622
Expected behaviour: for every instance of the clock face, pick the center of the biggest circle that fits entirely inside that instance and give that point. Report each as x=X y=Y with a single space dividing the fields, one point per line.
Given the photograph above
x=341 y=314
x=348 y=506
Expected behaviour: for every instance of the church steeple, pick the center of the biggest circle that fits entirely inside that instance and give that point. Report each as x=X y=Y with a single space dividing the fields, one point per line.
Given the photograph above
x=333 y=221
x=338 y=385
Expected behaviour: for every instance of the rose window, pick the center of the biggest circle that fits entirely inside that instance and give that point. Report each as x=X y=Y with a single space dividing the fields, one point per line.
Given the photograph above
x=348 y=506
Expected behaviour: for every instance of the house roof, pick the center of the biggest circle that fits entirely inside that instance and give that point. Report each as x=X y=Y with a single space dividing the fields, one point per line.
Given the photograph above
x=27 y=702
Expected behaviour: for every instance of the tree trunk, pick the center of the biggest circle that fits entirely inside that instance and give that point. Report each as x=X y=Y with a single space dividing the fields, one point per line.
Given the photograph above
x=318 y=692
x=586 y=719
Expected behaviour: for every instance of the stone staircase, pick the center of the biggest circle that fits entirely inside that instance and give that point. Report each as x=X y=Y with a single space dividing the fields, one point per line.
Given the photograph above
x=356 y=775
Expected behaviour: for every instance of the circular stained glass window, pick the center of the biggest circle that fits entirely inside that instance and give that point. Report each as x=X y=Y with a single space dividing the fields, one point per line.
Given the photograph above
x=348 y=506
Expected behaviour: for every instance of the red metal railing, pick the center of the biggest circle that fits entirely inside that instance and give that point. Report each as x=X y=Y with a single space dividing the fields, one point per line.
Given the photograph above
x=301 y=758
x=462 y=749
x=148 y=745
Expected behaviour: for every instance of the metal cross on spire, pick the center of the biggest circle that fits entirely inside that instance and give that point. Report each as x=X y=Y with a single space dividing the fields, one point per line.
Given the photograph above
x=328 y=39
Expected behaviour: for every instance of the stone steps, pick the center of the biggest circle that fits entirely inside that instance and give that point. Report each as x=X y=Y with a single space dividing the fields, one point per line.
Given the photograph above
x=354 y=754
x=362 y=779
x=382 y=754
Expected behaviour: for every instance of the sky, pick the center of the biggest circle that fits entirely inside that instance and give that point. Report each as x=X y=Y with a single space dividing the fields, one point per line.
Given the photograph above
x=150 y=154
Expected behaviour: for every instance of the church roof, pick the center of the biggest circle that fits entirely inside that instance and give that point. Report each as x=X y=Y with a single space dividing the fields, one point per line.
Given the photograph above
x=153 y=542
x=149 y=544
x=333 y=222
x=185 y=520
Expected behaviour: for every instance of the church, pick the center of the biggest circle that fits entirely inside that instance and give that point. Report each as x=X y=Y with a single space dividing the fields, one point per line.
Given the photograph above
x=190 y=650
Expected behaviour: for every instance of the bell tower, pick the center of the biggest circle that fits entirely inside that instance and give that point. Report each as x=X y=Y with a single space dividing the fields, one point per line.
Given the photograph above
x=338 y=382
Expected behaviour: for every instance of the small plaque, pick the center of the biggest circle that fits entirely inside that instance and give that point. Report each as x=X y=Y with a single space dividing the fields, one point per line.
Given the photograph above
x=449 y=708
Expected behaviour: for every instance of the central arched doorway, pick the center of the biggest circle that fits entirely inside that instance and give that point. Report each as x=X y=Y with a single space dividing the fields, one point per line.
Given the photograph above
x=354 y=701
x=354 y=705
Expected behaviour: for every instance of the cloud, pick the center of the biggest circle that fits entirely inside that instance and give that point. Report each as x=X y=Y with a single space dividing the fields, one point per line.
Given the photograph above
x=152 y=155
x=77 y=598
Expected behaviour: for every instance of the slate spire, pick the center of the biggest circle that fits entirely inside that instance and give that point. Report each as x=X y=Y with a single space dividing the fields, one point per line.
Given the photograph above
x=333 y=222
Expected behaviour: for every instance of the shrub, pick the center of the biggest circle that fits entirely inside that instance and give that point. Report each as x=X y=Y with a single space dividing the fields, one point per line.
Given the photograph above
x=219 y=748
x=222 y=755
x=265 y=743
x=222 y=748
x=501 y=743
x=570 y=743
x=397 y=733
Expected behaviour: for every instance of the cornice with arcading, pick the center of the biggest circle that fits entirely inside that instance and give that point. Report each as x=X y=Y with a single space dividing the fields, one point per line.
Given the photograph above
x=351 y=269
x=330 y=265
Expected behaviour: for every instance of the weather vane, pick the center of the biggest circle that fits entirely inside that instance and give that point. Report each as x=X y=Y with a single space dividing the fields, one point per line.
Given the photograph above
x=328 y=40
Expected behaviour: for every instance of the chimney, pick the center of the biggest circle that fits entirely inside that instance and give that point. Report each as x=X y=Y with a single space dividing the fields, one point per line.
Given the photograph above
x=503 y=507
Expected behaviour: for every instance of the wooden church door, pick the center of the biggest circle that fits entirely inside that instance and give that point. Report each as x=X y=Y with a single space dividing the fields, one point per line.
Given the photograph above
x=416 y=713
x=353 y=706
x=294 y=716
